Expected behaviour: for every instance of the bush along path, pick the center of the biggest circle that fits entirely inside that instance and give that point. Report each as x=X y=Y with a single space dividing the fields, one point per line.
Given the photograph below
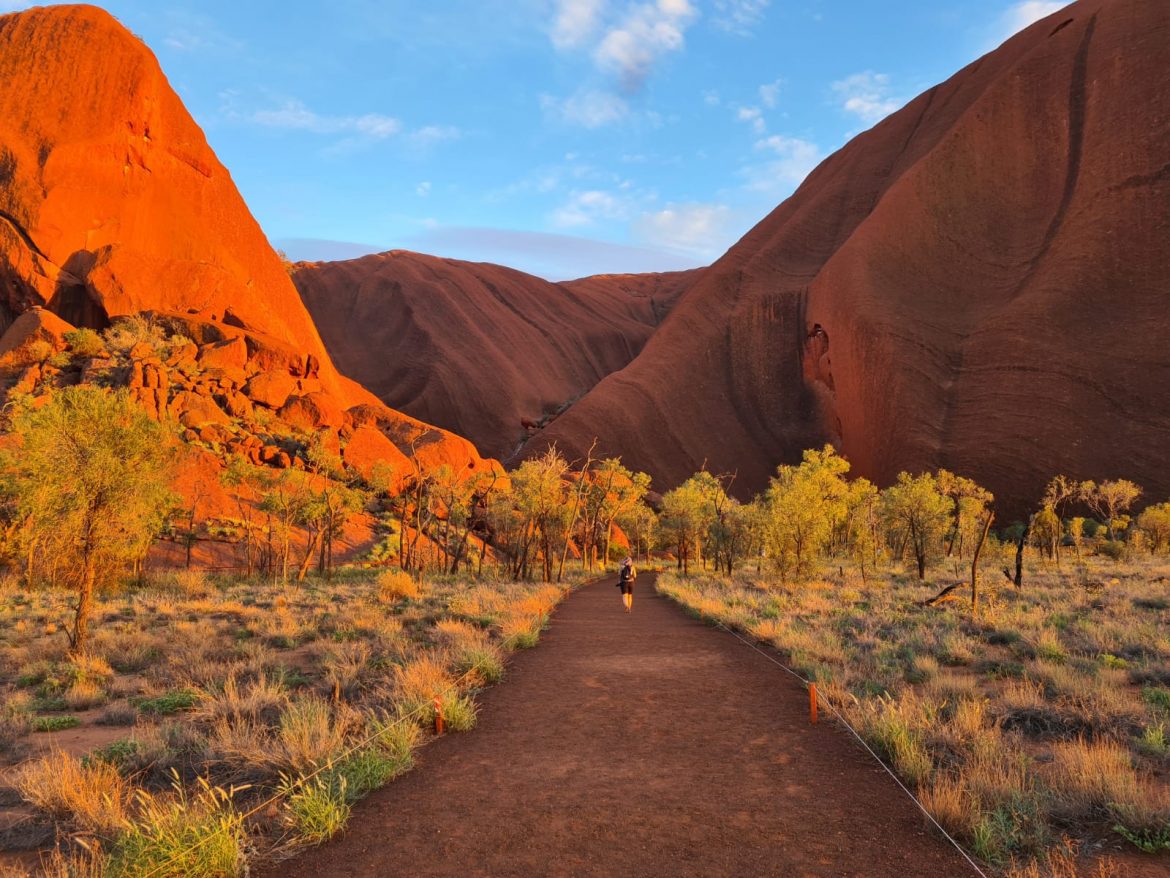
x=640 y=744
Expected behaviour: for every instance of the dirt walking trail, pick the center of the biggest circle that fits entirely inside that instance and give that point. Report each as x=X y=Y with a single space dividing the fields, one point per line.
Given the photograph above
x=639 y=745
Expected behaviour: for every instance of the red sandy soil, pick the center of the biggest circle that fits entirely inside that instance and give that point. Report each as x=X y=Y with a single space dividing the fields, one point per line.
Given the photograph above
x=979 y=282
x=478 y=348
x=637 y=745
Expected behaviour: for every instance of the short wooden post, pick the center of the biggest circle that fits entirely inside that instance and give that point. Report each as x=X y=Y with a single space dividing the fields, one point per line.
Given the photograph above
x=812 y=703
x=438 y=716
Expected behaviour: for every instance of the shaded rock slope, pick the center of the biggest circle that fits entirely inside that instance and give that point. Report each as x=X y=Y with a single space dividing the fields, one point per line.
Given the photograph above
x=482 y=350
x=981 y=282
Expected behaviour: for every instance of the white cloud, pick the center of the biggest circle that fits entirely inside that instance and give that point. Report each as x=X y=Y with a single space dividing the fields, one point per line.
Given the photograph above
x=586 y=208
x=588 y=108
x=770 y=93
x=431 y=134
x=294 y=115
x=739 y=16
x=576 y=22
x=694 y=228
x=753 y=117
x=868 y=96
x=647 y=31
x=711 y=97
x=1028 y=12
x=423 y=189
x=792 y=159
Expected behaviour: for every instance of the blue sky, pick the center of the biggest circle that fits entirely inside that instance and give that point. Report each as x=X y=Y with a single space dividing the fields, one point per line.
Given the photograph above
x=562 y=137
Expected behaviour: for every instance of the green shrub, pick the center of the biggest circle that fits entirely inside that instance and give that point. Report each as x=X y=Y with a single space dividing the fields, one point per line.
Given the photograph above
x=200 y=837
x=54 y=723
x=171 y=702
x=318 y=809
x=1157 y=698
x=85 y=342
x=459 y=714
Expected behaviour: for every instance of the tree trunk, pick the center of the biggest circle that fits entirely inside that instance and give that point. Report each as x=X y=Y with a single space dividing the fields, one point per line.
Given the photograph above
x=975 y=562
x=84 y=606
x=1019 y=580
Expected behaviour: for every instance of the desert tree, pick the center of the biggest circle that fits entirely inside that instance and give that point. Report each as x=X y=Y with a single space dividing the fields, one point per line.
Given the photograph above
x=805 y=504
x=682 y=521
x=917 y=515
x=1155 y=524
x=89 y=475
x=1111 y=501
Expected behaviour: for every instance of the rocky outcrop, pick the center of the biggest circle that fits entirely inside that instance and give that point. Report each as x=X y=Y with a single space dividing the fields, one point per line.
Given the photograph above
x=979 y=282
x=476 y=348
x=113 y=204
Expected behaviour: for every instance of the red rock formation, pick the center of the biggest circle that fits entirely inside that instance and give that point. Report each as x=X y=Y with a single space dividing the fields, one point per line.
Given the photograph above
x=979 y=282
x=477 y=348
x=112 y=203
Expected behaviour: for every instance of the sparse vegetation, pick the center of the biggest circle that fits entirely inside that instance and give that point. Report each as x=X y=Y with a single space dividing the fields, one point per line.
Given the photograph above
x=1069 y=741
x=209 y=699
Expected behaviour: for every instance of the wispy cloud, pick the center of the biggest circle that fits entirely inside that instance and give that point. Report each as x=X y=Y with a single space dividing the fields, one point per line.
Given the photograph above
x=752 y=116
x=868 y=96
x=350 y=132
x=429 y=135
x=588 y=108
x=576 y=22
x=788 y=161
x=770 y=93
x=701 y=230
x=191 y=32
x=294 y=115
x=739 y=16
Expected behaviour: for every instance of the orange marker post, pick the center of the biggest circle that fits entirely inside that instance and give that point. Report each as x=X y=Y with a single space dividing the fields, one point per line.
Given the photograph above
x=812 y=703
x=438 y=716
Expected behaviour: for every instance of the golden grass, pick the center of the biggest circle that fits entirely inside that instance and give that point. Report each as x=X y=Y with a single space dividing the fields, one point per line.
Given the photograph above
x=282 y=680
x=1016 y=725
x=92 y=796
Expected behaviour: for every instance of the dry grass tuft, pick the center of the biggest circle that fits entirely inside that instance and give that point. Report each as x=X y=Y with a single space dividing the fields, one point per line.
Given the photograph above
x=92 y=796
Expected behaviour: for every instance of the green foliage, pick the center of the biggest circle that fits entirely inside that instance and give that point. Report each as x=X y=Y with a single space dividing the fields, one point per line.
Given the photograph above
x=85 y=343
x=88 y=482
x=459 y=714
x=170 y=702
x=200 y=836
x=1151 y=841
x=1154 y=522
x=318 y=809
x=803 y=506
x=117 y=753
x=54 y=723
x=1157 y=698
x=917 y=515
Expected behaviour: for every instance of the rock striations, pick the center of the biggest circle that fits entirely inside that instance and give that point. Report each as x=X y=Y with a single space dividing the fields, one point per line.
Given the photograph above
x=981 y=282
x=479 y=349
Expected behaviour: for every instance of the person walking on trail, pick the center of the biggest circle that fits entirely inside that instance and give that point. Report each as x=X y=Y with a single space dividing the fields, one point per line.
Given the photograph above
x=626 y=576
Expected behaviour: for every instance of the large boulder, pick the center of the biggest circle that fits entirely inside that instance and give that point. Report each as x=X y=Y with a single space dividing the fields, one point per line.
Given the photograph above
x=231 y=353
x=194 y=410
x=313 y=411
x=368 y=446
x=34 y=325
x=271 y=389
